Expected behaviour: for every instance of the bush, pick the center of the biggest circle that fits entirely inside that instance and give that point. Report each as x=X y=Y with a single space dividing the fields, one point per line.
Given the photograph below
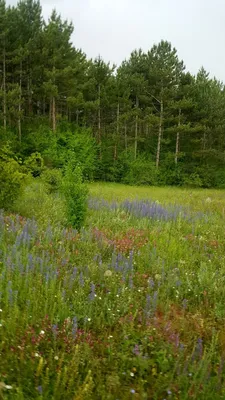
x=193 y=180
x=11 y=179
x=34 y=164
x=76 y=194
x=141 y=172
x=53 y=179
x=37 y=203
x=79 y=147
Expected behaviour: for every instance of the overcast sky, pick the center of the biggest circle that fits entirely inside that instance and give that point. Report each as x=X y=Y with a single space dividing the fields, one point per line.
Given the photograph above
x=113 y=28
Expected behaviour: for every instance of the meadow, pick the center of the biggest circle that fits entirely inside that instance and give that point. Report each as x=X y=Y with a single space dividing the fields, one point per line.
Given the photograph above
x=130 y=307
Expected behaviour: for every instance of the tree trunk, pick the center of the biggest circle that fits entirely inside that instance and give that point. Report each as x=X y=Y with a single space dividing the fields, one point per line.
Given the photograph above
x=4 y=90
x=204 y=139
x=77 y=117
x=125 y=136
x=178 y=139
x=146 y=130
x=29 y=91
x=117 y=130
x=160 y=134
x=53 y=114
x=43 y=106
x=50 y=112
x=99 y=122
x=136 y=129
x=20 y=98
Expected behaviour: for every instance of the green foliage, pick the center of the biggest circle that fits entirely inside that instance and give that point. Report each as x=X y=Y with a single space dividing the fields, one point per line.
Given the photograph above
x=34 y=164
x=77 y=147
x=36 y=203
x=193 y=180
x=141 y=172
x=76 y=195
x=52 y=178
x=12 y=179
x=56 y=102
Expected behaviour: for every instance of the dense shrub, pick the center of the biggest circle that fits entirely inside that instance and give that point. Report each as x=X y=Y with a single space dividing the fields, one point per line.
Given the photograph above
x=36 y=203
x=76 y=194
x=193 y=180
x=52 y=178
x=79 y=147
x=11 y=179
x=34 y=164
x=141 y=172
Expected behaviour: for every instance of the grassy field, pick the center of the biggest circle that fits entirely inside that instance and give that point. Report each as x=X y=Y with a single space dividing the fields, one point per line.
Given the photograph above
x=132 y=307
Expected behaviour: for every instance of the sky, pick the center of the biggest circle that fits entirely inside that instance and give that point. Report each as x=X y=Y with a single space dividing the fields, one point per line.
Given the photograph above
x=113 y=28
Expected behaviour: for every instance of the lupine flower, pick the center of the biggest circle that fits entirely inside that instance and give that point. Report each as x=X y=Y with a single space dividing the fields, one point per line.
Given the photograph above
x=74 y=327
x=136 y=350
x=92 y=294
x=40 y=390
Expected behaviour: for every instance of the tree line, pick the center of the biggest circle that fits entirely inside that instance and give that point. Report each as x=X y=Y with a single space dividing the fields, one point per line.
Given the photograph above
x=148 y=120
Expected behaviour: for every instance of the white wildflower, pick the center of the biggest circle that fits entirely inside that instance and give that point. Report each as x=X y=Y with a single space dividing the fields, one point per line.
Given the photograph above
x=108 y=273
x=9 y=387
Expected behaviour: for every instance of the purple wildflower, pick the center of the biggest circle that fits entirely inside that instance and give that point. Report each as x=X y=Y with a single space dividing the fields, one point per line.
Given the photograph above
x=92 y=294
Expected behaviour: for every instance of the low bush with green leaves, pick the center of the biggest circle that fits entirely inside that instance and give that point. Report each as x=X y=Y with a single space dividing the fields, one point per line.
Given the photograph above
x=34 y=164
x=37 y=203
x=141 y=172
x=52 y=178
x=12 y=179
x=75 y=193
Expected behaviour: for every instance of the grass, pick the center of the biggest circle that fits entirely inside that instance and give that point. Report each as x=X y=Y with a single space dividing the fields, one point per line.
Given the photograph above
x=132 y=307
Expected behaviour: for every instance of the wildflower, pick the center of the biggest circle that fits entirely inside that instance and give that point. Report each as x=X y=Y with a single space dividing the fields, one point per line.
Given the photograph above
x=110 y=337
x=169 y=392
x=74 y=328
x=92 y=295
x=132 y=374
x=56 y=358
x=185 y=303
x=9 y=387
x=108 y=273
x=42 y=332
x=39 y=388
x=151 y=282
x=0 y=310
x=37 y=355
x=89 y=319
x=136 y=350
x=0 y=325
x=132 y=391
